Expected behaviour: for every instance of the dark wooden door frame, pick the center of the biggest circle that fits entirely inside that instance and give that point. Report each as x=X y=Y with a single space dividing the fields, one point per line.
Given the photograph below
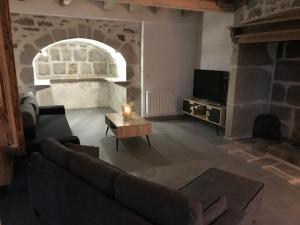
x=11 y=131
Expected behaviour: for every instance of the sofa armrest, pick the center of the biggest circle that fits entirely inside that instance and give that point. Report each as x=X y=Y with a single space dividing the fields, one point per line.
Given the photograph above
x=55 y=109
x=36 y=145
x=69 y=139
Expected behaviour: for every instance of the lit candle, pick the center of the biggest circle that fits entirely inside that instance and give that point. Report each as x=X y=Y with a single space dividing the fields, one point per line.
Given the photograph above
x=127 y=111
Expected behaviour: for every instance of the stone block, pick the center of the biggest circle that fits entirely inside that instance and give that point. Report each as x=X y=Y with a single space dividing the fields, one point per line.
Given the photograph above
x=243 y=117
x=72 y=68
x=86 y=68
x=44 y=70
x=54 y=54
x=44 y=23
x=281 y=112
x=131 y=72
x=59 y=34
x=25 y=21
x=270 y=2
x=133 y=93
x=296 y=3
x=296 y=128
x=98 y=35
x=115 y=44
x=254 y=13
x=280 y=50
x=100 y=68
x=293 y=49
x=44 y=41
x=72 y=33
x=43 y=58
x=130 y=54
x=96 y=55
x=287 y=71
x=251 y=4
x=285 y=5
x=113 y=70
x=89 y=33
x=26 y=75
x=252 y=84
x=278 y=92
x=254 y=55
x=27 y=55
x=293 y=95
x=59 y=68
x=121 y=37
x=82 y=30
x=80 y=54
x=285 y=130
x=66 y=54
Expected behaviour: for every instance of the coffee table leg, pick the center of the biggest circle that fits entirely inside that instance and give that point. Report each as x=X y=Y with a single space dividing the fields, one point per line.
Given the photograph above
x=148 y=140
x=117 y=143
x=106 y=130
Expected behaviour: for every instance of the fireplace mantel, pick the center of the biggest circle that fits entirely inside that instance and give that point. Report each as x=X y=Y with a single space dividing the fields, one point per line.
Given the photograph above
x=282 y=27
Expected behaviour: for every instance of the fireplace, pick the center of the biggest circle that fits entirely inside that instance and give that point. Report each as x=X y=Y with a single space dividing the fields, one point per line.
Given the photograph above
x=265 y=77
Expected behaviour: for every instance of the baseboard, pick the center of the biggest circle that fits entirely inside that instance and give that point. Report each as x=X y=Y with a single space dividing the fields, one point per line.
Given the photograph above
x=161 y=118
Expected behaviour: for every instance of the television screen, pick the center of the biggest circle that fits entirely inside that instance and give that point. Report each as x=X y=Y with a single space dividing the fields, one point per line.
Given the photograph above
x=211 y=85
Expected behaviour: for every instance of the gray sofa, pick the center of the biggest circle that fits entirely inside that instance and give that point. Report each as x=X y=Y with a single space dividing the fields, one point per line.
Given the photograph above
x=44 y=121
x=68 y=187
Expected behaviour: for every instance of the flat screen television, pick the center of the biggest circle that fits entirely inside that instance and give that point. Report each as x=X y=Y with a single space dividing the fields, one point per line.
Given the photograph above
x=211 y=85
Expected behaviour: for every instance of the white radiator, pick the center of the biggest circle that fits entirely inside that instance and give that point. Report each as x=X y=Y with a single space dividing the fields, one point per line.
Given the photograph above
x=160 y=102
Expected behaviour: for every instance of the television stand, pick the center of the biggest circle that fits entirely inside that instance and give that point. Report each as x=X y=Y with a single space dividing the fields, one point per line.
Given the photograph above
x=205 y=110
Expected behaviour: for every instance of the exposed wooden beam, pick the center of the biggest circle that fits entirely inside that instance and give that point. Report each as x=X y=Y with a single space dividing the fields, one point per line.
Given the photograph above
x=193 y=5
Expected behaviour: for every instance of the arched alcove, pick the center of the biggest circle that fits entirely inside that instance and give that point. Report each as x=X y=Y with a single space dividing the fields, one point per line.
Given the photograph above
x=80 y=73
x=32 y=33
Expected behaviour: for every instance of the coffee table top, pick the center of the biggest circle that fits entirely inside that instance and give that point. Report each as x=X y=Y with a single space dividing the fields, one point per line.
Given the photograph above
x=119 y=121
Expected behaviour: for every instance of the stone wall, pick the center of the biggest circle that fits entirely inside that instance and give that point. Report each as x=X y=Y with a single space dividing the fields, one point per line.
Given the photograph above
x=257 y=9
x=31 y=33
x=285 y=96
x=74 y=60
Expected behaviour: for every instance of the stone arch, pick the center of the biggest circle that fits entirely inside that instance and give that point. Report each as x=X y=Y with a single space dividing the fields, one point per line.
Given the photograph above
x=78 y=58
x=34 y=32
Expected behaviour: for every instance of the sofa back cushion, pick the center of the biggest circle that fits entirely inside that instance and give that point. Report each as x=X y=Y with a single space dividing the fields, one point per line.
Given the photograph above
x=28 y=115
x=158 y=204
x=96 y=172
x=56 y=152
x=29 y=98
x=89 y=150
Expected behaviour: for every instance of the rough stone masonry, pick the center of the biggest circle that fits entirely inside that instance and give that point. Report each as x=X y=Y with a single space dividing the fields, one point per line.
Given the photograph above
x=31 y=33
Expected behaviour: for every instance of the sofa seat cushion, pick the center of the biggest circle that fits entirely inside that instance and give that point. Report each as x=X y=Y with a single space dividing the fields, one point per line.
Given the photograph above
x=55 y=126
x=156 y=203
x=96 y=172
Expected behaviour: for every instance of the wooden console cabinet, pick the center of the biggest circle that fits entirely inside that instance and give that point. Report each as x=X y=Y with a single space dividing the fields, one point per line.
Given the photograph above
x=205 y=110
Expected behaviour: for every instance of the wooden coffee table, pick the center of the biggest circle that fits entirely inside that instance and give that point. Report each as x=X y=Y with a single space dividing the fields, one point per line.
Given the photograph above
x=134 y=127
